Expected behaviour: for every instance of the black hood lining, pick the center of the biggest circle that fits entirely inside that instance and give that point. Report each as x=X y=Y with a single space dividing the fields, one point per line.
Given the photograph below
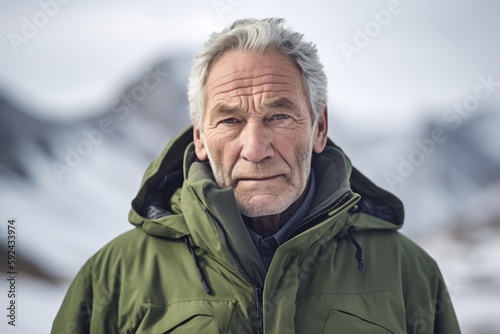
x=157 y=189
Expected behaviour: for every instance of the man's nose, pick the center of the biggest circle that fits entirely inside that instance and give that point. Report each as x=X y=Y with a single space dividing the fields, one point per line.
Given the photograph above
x=256 y=142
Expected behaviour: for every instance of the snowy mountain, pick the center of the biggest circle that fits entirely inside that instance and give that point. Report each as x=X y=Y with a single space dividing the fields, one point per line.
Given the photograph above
x=69 y=184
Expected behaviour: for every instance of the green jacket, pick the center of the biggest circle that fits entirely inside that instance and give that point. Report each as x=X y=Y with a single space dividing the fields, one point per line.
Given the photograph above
x=190 y=266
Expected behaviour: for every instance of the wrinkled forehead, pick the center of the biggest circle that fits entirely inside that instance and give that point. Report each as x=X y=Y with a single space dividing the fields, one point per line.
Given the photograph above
x=245 y=69
x=248 y=60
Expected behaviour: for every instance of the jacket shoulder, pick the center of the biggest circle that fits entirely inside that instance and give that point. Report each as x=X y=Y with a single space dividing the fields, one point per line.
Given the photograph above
x=400 y=256
x=428 y=305
x=130 y=265
x=133 y=252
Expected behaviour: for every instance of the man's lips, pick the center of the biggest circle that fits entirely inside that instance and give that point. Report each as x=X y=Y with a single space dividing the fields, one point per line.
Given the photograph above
x=257 y=178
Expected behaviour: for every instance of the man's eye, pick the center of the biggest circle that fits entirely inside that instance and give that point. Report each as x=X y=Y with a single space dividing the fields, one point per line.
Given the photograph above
x=229 y=121
x=280 y=117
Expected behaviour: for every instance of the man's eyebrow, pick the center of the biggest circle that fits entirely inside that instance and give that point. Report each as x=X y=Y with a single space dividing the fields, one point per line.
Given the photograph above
x=282 y=103
x=225 y=110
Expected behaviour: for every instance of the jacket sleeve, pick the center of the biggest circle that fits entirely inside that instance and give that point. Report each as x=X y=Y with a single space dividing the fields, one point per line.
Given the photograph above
x=76 y=310
x=432 y=309
x=445 y=317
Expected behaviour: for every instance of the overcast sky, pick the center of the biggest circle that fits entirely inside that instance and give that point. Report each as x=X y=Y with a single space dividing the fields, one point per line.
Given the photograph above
x=421 y=55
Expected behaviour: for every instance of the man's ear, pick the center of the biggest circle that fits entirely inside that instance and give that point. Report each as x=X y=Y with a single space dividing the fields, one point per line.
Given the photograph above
x=321 y=133
x=199 y=144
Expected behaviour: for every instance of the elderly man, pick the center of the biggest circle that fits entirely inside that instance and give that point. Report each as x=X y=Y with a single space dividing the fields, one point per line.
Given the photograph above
x=253 y=221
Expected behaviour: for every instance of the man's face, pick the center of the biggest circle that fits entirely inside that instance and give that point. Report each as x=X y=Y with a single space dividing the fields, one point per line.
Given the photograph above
x=257 y=130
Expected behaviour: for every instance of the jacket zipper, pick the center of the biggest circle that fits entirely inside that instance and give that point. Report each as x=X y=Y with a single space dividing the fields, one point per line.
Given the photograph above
x=257 y=289
x=258 y=306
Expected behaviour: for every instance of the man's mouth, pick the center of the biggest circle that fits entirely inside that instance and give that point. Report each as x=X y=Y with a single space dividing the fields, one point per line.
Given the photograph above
x=257 y=178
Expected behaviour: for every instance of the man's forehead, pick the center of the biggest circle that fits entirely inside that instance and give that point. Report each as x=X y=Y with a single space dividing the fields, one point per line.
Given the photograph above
x=251 y=72
x=237 y=64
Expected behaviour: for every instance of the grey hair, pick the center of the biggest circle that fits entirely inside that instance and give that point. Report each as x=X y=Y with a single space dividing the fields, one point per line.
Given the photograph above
x=259 y=35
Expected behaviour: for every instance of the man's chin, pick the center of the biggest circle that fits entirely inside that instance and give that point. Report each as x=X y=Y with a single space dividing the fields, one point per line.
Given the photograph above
x=264 y=206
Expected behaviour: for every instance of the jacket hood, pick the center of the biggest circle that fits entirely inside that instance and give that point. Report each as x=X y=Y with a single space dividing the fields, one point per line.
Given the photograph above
x=156 y=208
x=375 y=201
